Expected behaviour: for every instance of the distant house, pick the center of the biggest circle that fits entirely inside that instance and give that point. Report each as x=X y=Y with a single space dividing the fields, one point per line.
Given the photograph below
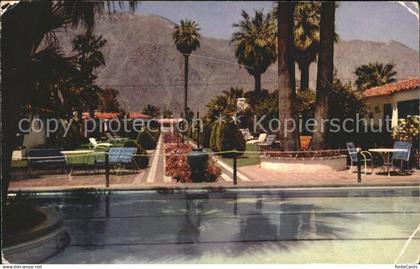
x=394 y=100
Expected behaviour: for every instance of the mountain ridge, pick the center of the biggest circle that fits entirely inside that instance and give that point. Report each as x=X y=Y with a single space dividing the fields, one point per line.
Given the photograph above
x=143 y=64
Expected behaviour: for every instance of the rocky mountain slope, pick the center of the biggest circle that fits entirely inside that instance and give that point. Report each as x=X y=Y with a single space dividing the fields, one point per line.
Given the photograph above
x=144 y=65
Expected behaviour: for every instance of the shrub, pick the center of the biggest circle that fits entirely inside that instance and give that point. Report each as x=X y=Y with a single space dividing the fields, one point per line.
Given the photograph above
x=226 y=136
x=146 y=140
x=230 y=138
x=408 y=130
x=177 y=164
x=214 y=137
x=142 y=161
x=206 y=135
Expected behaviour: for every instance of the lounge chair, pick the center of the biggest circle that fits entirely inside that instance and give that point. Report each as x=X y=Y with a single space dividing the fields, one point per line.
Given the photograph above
x=94 y=144
x=366 y=157
x=261 y=139
x=45 y=158
x=269 y=141
x=114 y=138
x=120 y=157
x=402 y=155
x=247 y=134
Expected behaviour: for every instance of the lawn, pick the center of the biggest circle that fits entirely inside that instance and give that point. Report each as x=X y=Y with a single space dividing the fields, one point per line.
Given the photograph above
x=250 y=157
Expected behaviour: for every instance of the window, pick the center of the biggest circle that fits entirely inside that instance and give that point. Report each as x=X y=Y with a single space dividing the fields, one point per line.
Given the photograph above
x=408 y=108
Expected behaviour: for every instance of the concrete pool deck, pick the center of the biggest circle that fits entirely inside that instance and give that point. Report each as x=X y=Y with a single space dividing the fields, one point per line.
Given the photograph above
x=257 y=177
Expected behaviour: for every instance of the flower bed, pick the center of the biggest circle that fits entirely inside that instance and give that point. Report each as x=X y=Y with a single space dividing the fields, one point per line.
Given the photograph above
x=304 y=161
x=176 y=160
x=171 y=138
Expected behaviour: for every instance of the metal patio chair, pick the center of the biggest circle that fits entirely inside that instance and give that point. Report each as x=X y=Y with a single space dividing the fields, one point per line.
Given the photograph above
x=366 y=157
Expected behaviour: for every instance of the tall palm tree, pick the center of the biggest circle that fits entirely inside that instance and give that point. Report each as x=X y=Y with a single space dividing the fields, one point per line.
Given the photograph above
x=286 y=76
x=255 y=44
x=325 y=74
x=25 y=26
x=307 y=18
x=374 y=74
x=187 y=39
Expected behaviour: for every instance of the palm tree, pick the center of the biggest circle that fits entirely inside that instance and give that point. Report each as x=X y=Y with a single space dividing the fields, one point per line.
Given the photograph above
x=374 y=74
x=25 y=26
x=187 y=39
x=223 y=105
x=307 y=17
x=325 y=73
x=89 y=57
x=151 y=110
x=255 y=44
x=286 y=75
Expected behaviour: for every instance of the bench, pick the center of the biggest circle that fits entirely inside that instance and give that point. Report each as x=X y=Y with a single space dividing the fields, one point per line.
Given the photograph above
x=47 y=158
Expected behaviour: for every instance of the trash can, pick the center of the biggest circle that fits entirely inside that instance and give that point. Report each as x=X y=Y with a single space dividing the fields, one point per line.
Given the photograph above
x=198 y=162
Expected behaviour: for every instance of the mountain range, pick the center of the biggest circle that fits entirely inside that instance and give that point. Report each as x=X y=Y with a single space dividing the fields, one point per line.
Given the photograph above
x=143 y=64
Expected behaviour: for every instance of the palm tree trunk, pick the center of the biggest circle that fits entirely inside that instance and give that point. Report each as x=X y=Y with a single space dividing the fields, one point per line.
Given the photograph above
x=15 y=51
x=304 y=76
x=325 y=73
x=186 y=85
x=289 y=139
x=257 y=87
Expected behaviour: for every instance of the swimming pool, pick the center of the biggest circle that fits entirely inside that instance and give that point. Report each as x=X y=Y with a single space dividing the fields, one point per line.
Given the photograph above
x=336 y=225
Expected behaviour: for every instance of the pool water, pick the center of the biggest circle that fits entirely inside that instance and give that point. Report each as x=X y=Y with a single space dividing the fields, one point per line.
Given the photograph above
x=248 y=226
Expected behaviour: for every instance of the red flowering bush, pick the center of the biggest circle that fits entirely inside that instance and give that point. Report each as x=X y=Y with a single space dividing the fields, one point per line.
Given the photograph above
x=177 y=165
x=171 y=137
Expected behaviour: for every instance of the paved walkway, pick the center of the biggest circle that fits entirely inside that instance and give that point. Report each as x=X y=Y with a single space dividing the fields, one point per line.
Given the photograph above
x=258 y=178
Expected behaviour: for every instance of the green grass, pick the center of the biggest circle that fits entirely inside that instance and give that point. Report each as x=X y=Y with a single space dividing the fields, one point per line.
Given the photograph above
x=246 y=159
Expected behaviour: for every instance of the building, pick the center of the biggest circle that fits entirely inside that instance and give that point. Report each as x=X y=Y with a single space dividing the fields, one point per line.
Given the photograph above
x=394 y=100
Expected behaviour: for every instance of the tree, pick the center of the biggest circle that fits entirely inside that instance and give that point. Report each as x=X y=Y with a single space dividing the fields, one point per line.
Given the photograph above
x=286 y=76
x=325 y=73
x=307 y=18
x=255 y=44
x=187 y=39
x=109 y=101
x=25 y=26
x=374 y=74
x=225 y=104
x=89 y=57
x=151 y=110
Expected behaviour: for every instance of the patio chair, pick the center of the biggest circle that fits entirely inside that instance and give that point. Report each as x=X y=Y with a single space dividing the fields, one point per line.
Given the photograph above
x=366 y=157
x=401 y=156
x=127 y=157
x=247 y=134
x=269 y=141
x=94 y=144
x=261 y=139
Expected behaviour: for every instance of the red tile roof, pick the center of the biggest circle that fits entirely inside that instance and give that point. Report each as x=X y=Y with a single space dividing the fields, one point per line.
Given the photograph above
x=391 y=88
x=138 y=115
x=114 y=115
x=101 y=115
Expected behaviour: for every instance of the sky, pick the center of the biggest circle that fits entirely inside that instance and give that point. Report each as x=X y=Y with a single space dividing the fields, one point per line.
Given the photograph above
x=373 y=21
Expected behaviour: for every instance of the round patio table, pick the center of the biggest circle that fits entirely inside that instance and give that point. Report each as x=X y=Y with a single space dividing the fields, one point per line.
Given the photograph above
x=385 y=153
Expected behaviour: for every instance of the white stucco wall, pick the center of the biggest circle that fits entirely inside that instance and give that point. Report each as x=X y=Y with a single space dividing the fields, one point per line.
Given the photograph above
x=376 y=104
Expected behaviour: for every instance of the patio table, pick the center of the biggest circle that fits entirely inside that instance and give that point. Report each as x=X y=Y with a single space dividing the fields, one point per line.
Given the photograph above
x=385 y=153
x=79 y=158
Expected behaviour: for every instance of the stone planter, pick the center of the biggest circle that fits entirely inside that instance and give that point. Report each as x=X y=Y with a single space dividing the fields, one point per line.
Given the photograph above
x=300 y=164
x=39 y=243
